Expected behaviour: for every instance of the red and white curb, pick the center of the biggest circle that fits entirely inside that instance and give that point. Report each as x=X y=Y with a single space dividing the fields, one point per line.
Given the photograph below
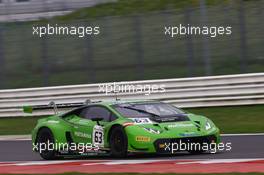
x=134 y=166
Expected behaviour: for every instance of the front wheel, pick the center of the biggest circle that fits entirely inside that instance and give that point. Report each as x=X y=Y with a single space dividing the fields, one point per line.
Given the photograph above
x=118 y=142
x=197 y=150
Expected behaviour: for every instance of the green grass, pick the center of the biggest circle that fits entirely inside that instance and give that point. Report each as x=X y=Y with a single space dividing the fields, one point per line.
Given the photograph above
x=242 y=119
x=128 y=7
x=17 y=126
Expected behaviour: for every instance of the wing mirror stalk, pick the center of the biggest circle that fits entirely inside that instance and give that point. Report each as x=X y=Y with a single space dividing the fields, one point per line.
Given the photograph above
x=97 y=120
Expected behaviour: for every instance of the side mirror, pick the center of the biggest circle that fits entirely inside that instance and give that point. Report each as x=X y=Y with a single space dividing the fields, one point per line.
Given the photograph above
x=97 y=120
x=28 y=109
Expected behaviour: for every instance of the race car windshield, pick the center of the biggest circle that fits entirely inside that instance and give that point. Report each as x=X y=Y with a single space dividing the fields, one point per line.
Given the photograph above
x=148 y=110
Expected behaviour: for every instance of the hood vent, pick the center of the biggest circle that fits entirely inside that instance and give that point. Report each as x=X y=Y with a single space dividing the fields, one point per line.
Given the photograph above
x=198 y=125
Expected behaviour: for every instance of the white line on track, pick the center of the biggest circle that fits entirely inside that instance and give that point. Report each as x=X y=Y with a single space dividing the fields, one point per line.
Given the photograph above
x=13 y=140
x=43 y=163
x=244 y=134
x=123 y=162
x=213 y=161
x=31 y=163
x=28 y=137
x=15 y=137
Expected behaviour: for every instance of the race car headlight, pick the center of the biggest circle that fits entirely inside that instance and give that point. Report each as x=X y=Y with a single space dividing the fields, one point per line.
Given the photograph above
x=208 y=125
x=153 y=131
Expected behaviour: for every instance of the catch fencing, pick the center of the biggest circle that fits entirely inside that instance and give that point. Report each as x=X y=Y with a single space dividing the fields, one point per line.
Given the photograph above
x=134 y=47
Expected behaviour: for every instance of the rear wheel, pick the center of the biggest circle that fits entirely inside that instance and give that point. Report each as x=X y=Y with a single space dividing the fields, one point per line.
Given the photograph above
x=45 y=142
x=118 y=142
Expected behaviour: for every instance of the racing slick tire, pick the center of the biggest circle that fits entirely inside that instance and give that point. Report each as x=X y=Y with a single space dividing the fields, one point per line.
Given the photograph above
x=118 y=142
x=45 y=136
x=197 y=151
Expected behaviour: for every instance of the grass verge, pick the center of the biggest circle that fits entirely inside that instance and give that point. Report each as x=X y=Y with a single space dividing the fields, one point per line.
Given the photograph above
x=239 y=119
x=17 y=125
x=128 y=7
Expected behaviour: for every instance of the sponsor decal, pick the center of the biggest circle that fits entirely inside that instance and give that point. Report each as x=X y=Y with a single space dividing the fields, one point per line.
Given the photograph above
x=181 y=125
x=153 y=131
x=82 y=121
x=83 y=135
x=186 y=134
x=141 y=120
x=142 y=139
x=53 y=121
x=162 y=145
x=98 y=136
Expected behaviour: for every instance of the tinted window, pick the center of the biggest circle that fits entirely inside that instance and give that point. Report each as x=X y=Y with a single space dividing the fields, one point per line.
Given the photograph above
x=96 y=112
x=160 y=109
x=113 y=117
x=130 y=113
x=22 y=0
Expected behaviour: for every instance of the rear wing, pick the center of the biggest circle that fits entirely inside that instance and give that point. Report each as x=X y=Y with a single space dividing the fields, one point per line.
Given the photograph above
x=54 y=106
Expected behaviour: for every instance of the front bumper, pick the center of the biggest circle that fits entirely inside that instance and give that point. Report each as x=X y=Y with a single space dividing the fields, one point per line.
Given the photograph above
x=170 y=145
x=142 y=141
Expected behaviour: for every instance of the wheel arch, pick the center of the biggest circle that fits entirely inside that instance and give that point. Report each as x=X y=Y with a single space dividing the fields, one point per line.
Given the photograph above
x=58 y=132
x=39 y=129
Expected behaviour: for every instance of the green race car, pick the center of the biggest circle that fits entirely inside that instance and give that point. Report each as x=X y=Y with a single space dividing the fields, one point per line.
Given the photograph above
x=121 y=127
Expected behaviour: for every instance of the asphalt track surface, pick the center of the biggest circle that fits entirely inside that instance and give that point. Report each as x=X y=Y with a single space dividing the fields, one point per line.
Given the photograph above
x=243 y=147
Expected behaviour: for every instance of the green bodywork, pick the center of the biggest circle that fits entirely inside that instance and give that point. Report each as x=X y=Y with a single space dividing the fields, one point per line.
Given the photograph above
x=139 y=139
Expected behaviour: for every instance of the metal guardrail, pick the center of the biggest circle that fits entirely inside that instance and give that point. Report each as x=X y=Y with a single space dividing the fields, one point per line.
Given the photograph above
x=228 y=90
